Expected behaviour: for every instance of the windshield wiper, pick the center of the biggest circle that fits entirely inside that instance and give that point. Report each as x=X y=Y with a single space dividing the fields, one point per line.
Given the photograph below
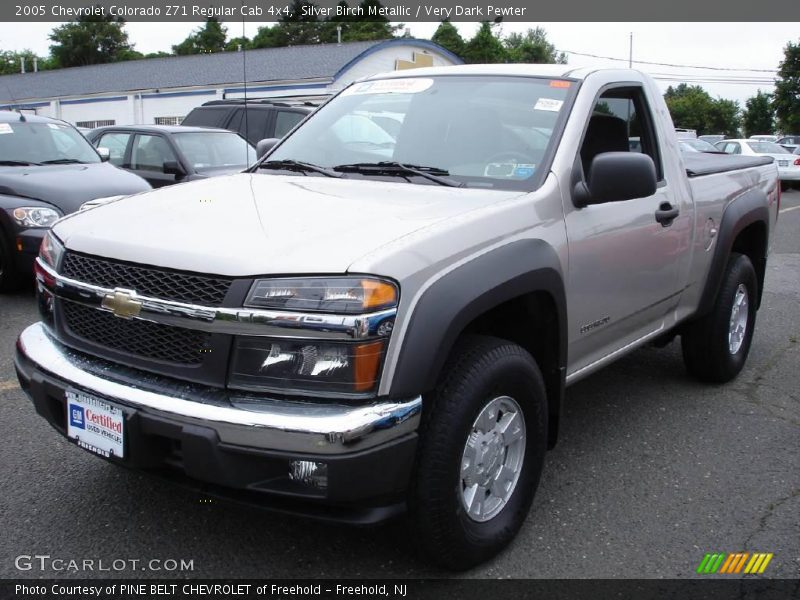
x=297 y=165
x=17 y=163
x=63 y=161
x=434 y=174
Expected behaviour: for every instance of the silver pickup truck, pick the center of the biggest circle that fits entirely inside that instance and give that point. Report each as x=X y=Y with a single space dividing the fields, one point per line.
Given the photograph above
x=382 y=316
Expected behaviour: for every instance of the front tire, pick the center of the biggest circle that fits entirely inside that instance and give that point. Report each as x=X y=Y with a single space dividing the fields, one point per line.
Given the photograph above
x=716 y=346
x=482 y=447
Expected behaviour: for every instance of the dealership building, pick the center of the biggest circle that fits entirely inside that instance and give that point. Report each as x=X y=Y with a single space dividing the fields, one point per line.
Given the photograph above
x=164 y=90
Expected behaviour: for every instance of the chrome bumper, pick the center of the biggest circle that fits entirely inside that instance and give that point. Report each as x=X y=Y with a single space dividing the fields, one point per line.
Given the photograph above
x=319 y=427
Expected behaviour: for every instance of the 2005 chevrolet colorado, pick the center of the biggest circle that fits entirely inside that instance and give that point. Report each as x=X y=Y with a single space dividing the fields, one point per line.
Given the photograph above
x=384 y=313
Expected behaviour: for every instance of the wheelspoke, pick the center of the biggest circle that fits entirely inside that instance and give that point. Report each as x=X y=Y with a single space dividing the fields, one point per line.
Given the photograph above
x=486 y=420
x=510 y=427
x=475 y=497
x=501 y=485
x=469 y=462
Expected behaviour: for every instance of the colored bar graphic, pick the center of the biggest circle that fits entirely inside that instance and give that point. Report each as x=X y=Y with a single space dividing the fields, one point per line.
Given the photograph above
x=734 y=563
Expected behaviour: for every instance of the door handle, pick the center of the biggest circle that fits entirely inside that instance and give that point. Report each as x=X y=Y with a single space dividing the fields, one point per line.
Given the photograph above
x=666 y=214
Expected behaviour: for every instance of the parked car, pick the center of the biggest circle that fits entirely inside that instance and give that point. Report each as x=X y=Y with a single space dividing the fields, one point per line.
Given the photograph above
x=685 y=134
x=47 y=170
x=348 y=336
x=790 y=142
x=167 y=154
x=697 y=145
x=788 y=166
x=764 y=138
x=255 y=119
x=712 y=138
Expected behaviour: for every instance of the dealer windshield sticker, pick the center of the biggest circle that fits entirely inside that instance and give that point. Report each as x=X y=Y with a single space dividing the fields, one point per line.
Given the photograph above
x=390 y=86
x=5 y=128
x=549 y=104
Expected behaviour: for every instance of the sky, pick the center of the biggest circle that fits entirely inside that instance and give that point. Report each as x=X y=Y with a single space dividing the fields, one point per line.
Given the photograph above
x=730 y=48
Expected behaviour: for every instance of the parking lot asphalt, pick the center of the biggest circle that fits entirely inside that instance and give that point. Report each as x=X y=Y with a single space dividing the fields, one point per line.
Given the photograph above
x=652 y=471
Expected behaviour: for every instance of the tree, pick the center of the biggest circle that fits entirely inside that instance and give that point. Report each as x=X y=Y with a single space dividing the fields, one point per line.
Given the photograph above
x=724 y=118
x=786 y=99
x=10 y=61
x=92 y=39
x=447 y=36
x=758 y=116
x=485 y=47
x=693 y=108
x=234 y=44
x=206 y=39
x=532 y=47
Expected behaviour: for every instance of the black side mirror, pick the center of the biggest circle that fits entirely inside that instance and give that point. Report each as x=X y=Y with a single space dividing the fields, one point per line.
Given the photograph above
x=616 y=176
x=264 y=146
x=173 y=167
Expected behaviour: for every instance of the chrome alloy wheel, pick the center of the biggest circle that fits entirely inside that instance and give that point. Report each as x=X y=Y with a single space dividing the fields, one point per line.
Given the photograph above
x=738 y=323
x=492 y=459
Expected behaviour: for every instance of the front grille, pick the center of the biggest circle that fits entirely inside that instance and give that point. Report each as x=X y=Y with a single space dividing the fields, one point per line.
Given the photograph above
x=140 y=338
x=147 y=281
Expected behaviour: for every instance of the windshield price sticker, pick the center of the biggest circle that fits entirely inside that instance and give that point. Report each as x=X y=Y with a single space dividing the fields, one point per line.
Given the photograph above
x=390 y=86
x=5 y=128
x=548 y=104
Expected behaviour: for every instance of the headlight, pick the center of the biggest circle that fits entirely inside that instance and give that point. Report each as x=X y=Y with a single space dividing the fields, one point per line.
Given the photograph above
x=51 y=250
x=296 y=366
x=338 y=295
x=35 y=216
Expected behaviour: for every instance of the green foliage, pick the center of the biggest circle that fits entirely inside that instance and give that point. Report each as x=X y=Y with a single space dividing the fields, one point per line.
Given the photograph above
x=786 y=100
x=233 y=44
x=692 y=107
x=10 y=62
x=758 y=117
x=297 y=29
x=204 y=40
x=532 y=47
x=485 y=47
x=88 y=41
x=447 y=36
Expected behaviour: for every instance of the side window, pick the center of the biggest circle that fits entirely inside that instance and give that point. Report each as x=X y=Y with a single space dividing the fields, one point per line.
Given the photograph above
x=235 y=124
x=621 y=122
x=150 y=152
x=285 y=120
x=254 y=125
x=116 y=144
x=734 y=148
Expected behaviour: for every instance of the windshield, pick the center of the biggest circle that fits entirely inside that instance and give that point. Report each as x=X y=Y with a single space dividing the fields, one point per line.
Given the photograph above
x=491 y=132
x=27 y=142
x=767 y=148
x=215 y=149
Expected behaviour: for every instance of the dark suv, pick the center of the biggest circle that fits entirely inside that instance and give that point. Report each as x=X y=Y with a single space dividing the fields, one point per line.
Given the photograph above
x=264 y=118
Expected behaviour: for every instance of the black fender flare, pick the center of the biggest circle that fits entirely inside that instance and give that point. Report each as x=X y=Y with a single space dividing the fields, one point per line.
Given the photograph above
x=745 y=210
x=452 y=302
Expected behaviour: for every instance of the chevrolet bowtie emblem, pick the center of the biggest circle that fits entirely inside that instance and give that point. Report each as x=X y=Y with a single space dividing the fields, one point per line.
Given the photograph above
x=122 y=303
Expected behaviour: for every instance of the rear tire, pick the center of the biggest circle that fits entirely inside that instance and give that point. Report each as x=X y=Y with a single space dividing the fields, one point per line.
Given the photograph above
x=716 y=346
x=481 y=453
x=9 y=277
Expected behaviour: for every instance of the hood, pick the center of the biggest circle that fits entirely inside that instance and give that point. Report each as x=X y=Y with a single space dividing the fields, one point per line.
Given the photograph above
x=68 y=186
x=258 y=224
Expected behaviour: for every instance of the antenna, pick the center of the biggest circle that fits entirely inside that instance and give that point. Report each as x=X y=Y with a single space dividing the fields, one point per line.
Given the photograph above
x=244 y=79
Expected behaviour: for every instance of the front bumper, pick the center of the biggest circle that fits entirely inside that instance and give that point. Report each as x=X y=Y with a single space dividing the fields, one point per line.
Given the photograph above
x=236 y=445
x=26 y=244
